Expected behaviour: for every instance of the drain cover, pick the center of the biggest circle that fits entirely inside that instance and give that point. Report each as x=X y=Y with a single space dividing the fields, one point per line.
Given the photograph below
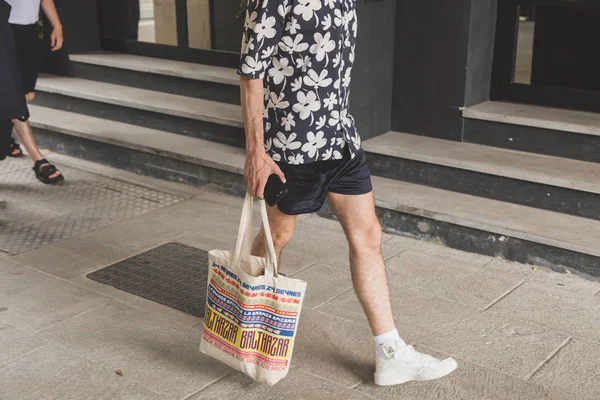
x=172 y=274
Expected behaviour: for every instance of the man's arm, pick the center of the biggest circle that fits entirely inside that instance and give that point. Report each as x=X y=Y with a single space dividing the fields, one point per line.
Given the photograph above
x=57 y=39
x=259 y=166
x=264 y=27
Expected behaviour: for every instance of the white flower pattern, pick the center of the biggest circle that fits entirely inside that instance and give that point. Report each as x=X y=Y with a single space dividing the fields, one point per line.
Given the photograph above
x=285 y=143
x=281 y=70
x=307 y=8
x=314 y=144
x=288 y=122
x=307 y=104
x=304 y=52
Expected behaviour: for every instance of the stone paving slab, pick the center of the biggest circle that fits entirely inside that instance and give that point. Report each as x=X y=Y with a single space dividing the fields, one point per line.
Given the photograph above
x=222 y=239
x=160 y=354
x=15 y=343
x=232 y=384
x=33 y=301
x=53 y=373
x=575 y=370
x=346 y=359
x=71 y=257
x=457 y=277
x=297 y=386
x=185 y=218
x=507 y=345
x=554 y=307
x=208 y=242
x=546 y=277
x=324 y=283
x=324 y=238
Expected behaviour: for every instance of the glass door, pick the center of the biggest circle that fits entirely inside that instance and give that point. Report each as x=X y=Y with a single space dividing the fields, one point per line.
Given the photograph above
x=203 y=31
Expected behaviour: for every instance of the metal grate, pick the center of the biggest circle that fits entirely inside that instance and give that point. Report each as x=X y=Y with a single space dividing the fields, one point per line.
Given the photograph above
x=37 y=214
x=172 y=274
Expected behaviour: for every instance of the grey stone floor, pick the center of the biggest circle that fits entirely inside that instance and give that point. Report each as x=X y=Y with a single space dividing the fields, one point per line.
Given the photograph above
x=518 y=332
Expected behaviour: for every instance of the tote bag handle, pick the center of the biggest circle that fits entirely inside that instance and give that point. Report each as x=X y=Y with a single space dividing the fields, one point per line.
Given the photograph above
x=244 y=239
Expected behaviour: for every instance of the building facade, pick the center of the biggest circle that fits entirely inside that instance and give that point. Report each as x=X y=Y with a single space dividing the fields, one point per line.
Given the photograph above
x=480 y=117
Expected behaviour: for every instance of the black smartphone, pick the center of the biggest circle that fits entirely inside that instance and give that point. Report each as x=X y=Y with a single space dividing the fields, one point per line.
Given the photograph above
x=275 y=190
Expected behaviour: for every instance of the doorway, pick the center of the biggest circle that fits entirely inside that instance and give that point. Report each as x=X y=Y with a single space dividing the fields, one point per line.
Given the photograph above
x=545 y=53
x=200 y=31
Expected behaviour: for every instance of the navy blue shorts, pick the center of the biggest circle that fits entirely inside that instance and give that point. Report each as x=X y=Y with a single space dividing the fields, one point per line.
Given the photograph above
x=309 y=184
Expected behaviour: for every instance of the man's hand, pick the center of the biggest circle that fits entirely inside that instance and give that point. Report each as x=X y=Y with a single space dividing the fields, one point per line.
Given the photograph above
x=259 y=167
x=57 y=39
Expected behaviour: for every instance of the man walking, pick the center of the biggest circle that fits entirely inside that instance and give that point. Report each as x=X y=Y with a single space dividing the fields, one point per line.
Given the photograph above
x=295 y=72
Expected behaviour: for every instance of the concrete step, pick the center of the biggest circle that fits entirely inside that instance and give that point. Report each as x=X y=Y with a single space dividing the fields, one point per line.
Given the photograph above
x=550 y=183
x=141 y=150
x=536 y=129
x=563 y=242
x=184 y=115
x=462 y=221
x=536 y=116
x=176 y=77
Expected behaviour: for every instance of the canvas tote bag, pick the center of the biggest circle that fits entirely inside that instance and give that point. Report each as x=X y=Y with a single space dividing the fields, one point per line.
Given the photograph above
x=251 y=319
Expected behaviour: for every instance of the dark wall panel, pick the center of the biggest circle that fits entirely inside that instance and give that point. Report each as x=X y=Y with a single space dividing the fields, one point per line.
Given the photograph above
x=372 y=75
x=481 y=51
x=82 y=33
x=430 y=64
x=227 y=27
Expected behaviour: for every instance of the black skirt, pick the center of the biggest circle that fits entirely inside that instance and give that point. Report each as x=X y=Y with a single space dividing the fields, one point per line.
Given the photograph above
x=12 y=100
x=29 y=52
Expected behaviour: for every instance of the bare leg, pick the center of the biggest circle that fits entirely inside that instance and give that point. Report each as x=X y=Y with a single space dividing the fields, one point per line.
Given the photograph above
x=282 y=229
x=360 y=223
x=26 y=136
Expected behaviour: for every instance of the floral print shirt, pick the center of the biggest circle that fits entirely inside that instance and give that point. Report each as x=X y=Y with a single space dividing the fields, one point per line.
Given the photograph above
x=304 y=51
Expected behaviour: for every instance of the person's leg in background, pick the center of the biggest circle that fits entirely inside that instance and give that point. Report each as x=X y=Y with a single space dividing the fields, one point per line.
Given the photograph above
x=28 y=46
x=25 y=133
x=5 y=138
x=13 y=149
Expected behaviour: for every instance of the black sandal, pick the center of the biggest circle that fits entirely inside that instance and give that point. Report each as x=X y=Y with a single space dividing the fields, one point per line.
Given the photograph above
x=44 y=173
x=12 y=147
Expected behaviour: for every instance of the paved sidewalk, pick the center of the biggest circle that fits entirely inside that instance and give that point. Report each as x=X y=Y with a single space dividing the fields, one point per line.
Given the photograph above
x=518 y=332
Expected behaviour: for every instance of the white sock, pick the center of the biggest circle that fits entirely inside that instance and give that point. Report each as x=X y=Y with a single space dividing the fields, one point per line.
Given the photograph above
x=380 y=340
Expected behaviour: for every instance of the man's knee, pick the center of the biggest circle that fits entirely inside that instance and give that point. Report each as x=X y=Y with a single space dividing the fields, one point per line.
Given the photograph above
x=366 y=238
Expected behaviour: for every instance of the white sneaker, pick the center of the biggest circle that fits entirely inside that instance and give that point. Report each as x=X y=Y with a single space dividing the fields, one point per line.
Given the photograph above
x=402 y=363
